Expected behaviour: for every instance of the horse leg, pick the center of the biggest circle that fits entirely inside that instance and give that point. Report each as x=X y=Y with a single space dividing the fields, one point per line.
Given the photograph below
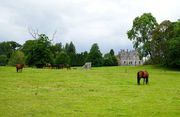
x=17 y=69
x=147 y=80
x=138 y=81
x=144 y=80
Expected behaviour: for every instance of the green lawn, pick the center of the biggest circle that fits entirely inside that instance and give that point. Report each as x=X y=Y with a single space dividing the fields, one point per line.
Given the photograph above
x=99 y=92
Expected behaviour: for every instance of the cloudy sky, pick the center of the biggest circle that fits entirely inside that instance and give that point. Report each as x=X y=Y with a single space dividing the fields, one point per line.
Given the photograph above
x=83 y=22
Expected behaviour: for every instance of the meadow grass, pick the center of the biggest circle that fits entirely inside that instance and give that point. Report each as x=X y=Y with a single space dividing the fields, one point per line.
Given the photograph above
x=99 y=92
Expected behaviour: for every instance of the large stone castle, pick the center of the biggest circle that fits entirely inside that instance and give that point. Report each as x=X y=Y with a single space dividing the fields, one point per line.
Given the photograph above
x=129 y=58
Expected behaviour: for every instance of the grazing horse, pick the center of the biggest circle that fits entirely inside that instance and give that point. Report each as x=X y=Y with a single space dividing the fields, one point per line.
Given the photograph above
x=144 y=75
x=68 y=66
x=57 y=66
x=19 y=66
x=48 y=65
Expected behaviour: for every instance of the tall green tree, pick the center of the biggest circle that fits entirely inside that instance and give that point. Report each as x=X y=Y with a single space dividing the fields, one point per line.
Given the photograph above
x=112 y=52
x=172 y=55
x=159 y=43
x=71 y=48
x=166 y=44
x=71 y=51
x=66 y=47
x=141 y=33
x=95 y=56
x=40 y=52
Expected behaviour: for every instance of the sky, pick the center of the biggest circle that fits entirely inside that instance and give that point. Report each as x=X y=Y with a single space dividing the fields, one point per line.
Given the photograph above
x=83 y=22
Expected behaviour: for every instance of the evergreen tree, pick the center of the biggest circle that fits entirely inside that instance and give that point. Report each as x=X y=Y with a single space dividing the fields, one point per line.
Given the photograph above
x=112 y=52
x=71 y=48
x=71 y=51
x=95 y=56
x=66 y=48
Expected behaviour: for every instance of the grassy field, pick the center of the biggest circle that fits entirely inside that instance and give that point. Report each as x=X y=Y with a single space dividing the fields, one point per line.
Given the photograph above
x=99 y=92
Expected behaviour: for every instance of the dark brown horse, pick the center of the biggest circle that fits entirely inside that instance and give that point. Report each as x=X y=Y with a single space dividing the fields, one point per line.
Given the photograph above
x=19 y=67
x=144 y=75
x=68 y=67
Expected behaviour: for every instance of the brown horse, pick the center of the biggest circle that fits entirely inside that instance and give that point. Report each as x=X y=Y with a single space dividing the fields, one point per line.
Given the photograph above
x=144 y=75
x=19 y=67
x=68 y=67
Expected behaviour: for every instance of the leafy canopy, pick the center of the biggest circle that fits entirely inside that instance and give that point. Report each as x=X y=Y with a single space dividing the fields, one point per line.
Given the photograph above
x=141 y=33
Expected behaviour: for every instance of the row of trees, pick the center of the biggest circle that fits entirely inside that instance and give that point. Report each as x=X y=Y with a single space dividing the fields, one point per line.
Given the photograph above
x=160 y=43
x=41 y=51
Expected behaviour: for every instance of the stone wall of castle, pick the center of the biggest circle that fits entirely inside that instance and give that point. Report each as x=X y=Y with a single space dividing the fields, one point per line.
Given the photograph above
x=129 y=58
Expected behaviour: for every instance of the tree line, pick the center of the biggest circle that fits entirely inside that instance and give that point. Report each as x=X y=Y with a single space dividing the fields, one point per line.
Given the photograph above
x=158 y=43
x=41 y=51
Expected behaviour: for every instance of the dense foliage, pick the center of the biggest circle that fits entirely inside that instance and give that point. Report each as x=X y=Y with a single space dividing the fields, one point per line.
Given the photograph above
x=110 y=59
x=39 y=52
x=141 y=33
x=7 y=48
x=157 y=43
x=62 y=58
x=3 y=60
x=160 y=43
